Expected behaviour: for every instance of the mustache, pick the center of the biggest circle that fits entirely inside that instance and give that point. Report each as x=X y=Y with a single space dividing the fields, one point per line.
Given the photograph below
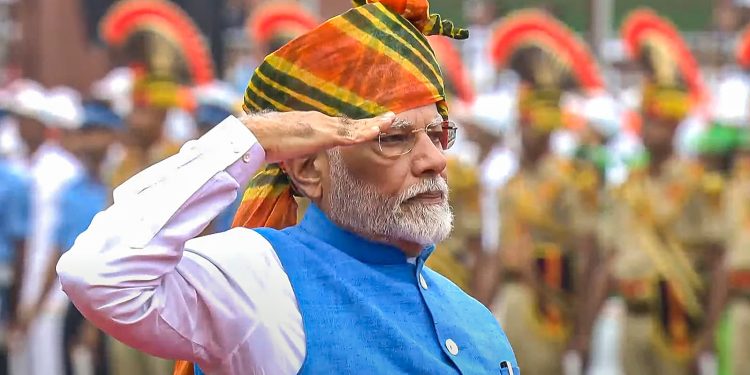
x=428 y=185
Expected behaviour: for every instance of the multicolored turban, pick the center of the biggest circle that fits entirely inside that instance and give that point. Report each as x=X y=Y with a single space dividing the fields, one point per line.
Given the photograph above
x=368 y=61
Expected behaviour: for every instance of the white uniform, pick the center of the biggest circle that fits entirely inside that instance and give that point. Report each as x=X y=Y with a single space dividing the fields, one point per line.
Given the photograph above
x=497 y=168
x=50 y=169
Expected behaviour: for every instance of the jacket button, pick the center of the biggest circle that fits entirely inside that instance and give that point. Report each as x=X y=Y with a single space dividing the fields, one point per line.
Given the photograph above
x=451 y=346
x=422 y=282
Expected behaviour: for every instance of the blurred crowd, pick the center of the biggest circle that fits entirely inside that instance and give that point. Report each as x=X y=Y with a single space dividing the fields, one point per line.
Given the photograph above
x=63 y=157
x=607 y=227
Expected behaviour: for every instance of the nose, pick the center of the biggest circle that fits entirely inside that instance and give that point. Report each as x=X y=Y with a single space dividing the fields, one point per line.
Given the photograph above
x=428 y=159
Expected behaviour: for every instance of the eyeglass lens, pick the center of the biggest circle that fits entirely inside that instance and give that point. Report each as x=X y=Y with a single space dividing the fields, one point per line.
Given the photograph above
x=401 y=141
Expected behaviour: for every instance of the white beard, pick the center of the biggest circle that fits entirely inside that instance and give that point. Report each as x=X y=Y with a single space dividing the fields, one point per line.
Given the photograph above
x=359 y=207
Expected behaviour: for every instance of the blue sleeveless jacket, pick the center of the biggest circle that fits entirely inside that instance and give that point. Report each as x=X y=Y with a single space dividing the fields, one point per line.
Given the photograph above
x=367 y=309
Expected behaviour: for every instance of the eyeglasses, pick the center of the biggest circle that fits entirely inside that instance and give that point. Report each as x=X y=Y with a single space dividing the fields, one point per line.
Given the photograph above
x=397 y=142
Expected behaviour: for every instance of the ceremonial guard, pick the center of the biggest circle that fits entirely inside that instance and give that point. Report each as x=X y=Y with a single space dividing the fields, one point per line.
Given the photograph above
x=542 y=251
x=46 y=118
x=663 y=263
x=734 y=343
x=167 y=55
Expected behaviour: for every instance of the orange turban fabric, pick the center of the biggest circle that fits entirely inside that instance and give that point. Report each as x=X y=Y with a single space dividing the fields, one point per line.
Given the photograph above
x=368 y=61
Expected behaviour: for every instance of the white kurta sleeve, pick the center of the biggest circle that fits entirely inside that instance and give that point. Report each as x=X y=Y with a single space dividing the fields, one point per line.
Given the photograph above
x=136 y=273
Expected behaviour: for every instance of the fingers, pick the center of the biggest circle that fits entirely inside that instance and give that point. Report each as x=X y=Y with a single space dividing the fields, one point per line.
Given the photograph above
x=385 y=121
x=352 y=132
x=292 y=134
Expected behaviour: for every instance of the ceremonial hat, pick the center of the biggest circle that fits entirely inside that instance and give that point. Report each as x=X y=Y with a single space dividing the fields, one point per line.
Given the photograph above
x=742 y=51
x=275 y=23
x=163 y=47
x=673 y=85
x=603 y=114
x=731 y=104
x=549 y=59
x=63 y=108
x=27 y=98
x=116 y=89
x=718 y=139
x=458 y=83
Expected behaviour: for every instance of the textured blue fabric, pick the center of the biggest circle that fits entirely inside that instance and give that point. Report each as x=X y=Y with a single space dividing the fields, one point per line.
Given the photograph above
x=364 y=311
x=223 y=222
x=207 y=115
x=14 y=211
x=80 y=201
x=98 y=115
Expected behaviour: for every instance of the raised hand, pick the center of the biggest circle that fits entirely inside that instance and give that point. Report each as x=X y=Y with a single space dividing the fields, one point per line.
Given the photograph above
x=288 y=135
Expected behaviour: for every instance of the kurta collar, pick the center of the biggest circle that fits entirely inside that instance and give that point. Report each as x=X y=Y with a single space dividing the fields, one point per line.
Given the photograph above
x=317 y=224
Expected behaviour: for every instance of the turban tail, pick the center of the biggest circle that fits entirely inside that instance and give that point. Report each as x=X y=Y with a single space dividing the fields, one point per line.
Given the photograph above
x=268 y=201
x=368 y=61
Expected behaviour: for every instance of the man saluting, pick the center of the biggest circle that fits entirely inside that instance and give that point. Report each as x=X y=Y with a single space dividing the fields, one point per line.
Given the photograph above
x=346 y=290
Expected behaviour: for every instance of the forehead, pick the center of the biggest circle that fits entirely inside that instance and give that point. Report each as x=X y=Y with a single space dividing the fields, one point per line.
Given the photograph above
x=417 y=117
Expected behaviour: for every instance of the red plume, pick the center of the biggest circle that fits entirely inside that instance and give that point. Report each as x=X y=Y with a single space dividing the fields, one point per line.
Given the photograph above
x=743 y=49
x=130 y=16
x=453 y=67
x=274 y=17
x=644 y=24
x=537 y=27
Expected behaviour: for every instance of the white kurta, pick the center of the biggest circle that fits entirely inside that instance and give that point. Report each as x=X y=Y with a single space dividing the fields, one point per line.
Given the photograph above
x=223 y=301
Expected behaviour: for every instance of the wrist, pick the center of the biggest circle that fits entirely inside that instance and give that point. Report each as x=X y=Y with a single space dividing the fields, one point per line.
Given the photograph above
x=257 y=124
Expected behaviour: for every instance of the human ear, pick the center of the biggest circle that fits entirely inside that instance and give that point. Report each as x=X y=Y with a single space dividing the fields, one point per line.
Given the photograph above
x=307 y=174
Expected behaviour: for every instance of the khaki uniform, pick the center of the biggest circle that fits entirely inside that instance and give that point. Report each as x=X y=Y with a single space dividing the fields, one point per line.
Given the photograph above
x=544 y=213
x=738 y=266
x=135 y=160
x=660 y=247
x=455 y=257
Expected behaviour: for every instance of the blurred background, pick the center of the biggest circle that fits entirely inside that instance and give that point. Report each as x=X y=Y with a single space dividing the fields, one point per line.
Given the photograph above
x=37 y=32
x=600 y=179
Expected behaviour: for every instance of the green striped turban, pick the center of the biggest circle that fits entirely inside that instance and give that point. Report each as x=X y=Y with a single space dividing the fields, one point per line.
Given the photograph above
x=368 y=61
